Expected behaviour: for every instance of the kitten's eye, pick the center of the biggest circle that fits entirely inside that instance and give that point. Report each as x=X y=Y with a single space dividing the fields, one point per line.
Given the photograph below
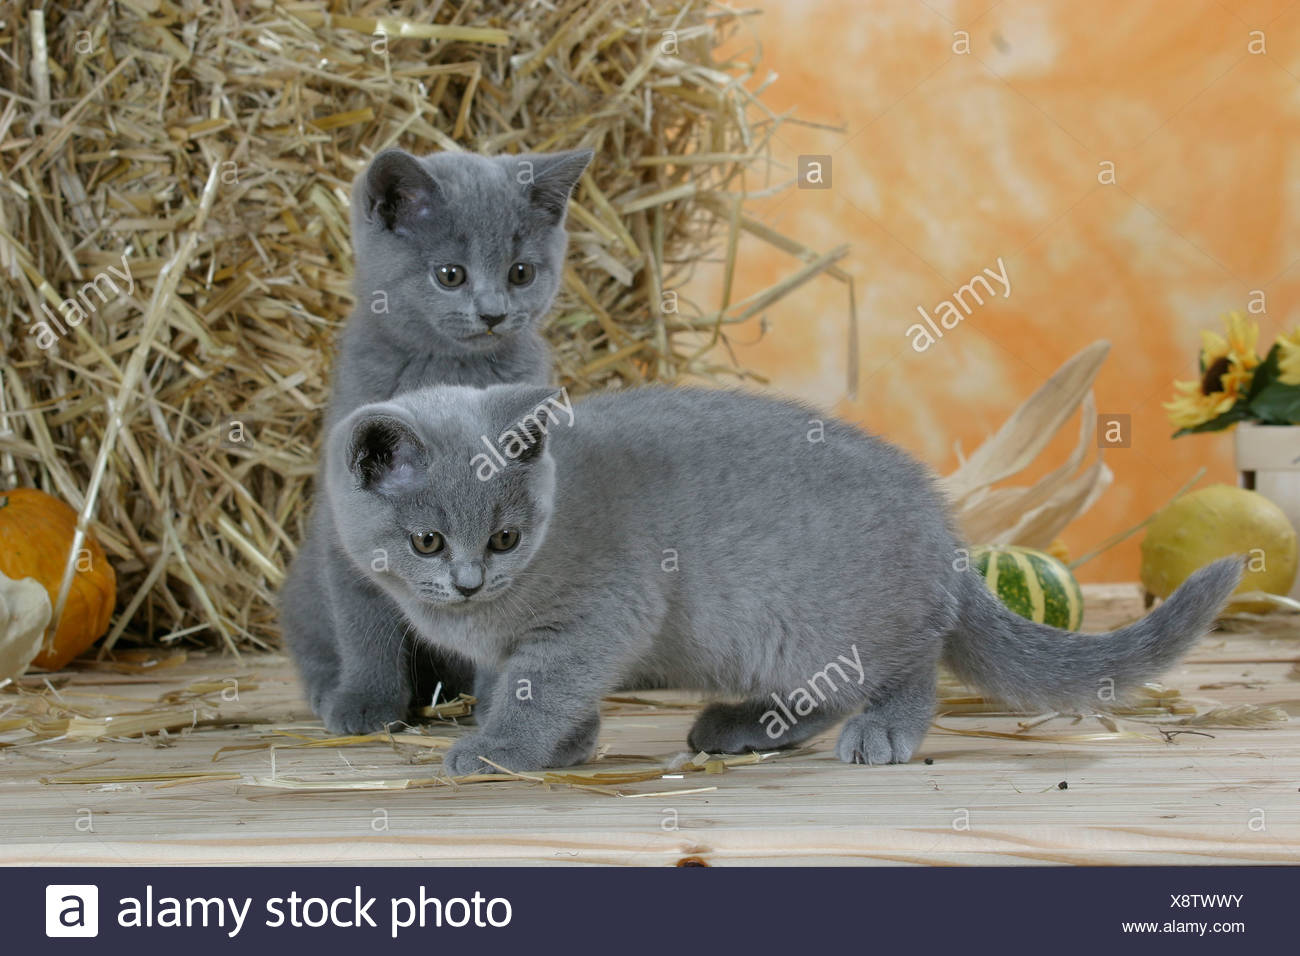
x=504 y=540
x=427 y=542
x=521 y=273
x=450 y=276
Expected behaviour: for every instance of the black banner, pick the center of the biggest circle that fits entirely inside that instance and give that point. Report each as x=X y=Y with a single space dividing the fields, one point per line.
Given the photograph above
x=1043 y=910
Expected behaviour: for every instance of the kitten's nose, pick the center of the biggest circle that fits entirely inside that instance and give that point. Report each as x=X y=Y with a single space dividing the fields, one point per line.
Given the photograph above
x=492 y=321
x=468 y=579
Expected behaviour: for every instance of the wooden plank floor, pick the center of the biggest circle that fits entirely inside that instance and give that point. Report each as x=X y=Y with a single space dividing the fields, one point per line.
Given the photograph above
x=1214 y=796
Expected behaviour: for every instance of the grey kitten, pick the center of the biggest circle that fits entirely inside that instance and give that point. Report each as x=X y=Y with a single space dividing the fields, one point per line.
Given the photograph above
x=714 y=540
x=458 y=260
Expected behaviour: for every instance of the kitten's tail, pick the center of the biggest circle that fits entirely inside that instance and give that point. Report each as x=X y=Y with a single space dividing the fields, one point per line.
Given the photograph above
x=1044 y=668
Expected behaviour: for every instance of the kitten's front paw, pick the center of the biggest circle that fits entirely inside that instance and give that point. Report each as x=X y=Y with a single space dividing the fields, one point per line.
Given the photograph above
x=729 y=729
x=318 y=684
x=870 y=738
x=463 y=756
x=350 y=712
x=318 y=699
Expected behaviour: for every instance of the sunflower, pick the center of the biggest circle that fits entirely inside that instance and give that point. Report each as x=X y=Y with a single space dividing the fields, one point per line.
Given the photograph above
x=1288 y=358
x=1227 y=366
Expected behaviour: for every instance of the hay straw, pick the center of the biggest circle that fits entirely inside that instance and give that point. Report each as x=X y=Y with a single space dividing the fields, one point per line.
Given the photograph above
x=460 y=706
x=172 y=778
x=1152 y=705
x=596 y=781
x=114 y=121
x=168 y=278
x=1237 y=716
x=1073 y=738
x=414 y=740
x=56 y=715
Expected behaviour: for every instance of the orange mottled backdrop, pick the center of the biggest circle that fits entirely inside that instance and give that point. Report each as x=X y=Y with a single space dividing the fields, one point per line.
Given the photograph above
x=978 y=131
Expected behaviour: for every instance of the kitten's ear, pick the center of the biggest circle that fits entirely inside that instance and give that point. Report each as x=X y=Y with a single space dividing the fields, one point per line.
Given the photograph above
x=527 y=414
x=397 y=192
x=549 y=178
x=384 y=454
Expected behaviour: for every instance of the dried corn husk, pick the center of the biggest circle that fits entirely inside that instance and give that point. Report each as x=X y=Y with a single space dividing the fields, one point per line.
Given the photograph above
x=1034 y=515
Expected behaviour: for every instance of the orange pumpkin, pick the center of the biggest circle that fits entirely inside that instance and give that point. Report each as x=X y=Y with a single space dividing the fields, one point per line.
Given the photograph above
x=36 y=532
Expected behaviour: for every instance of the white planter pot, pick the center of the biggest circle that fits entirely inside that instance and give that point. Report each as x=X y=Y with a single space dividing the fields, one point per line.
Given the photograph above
x=1268 y=461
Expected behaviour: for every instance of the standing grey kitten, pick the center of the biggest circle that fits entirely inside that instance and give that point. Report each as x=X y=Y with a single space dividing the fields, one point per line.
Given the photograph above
x=703 y=539
x=458 y=260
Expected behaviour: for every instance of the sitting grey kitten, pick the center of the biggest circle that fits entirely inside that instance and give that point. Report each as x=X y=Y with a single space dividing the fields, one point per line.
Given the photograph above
x=458 y=260
x=704 y=539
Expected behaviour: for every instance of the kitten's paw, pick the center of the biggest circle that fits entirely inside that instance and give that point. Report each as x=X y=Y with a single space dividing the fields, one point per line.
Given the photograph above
x=318 y=684
x=463 y=756
x=350 y=712
x=729 y=729
x=579 y=746
x=870 y=738
x=320 y=693
x=748 y=725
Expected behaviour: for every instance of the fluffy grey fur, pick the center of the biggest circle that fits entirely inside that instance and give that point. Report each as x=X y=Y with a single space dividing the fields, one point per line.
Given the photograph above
x=415 y=325
x=804 y=570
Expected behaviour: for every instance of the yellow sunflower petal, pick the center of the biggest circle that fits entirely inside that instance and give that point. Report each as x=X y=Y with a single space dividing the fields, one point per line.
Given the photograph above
x=1191 y=406
x=1243 y=340
x=1213 y=347
x=1191 y=410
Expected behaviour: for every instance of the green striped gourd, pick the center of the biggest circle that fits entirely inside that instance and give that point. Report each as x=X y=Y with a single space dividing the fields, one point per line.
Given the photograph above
x=1032 y=583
